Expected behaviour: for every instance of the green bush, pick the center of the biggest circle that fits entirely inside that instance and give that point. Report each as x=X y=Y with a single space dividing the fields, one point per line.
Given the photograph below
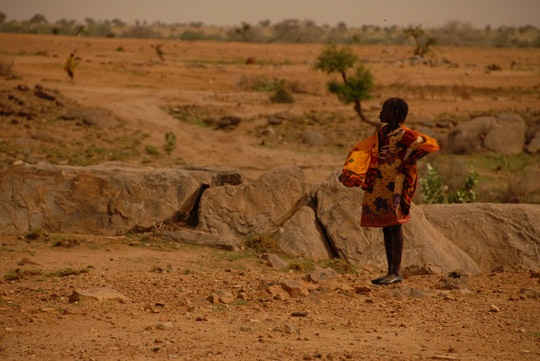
x=435 y=191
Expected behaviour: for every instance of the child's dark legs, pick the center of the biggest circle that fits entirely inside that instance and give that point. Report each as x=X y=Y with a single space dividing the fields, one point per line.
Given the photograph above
x=388 y=247
x=393 y=245
x=397 y=250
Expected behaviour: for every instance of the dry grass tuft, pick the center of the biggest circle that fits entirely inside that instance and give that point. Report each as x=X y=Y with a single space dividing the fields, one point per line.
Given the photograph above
x=6 y=67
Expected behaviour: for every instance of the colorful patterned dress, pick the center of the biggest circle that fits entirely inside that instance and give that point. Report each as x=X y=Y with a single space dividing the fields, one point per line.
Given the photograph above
x=389 y=182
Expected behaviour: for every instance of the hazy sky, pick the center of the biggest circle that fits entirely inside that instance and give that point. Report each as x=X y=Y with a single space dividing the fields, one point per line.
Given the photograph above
x=232 y=12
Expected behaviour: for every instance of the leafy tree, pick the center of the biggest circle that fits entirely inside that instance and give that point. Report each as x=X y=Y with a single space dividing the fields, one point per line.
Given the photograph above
x=2 y=17
x=422 y=41
x=243 y=31
x=354 y=87
x=38 y=19
x=118 y=23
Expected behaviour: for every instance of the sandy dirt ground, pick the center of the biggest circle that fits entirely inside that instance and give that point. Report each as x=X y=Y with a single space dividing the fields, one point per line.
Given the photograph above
x=167 y=314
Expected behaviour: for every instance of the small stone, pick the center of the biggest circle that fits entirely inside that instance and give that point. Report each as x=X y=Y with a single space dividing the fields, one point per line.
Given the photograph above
x=514 y=297
x=453 y=281
x=213 y=298
x=273 y=120
x=299 y=314
x=494 y=308
x=362 y=289
x=165 y=326
x=274 y=261
x=97 y=294
x=498 y=269
x=225 y=296
x=278 y=292
x=326 y=274
x=530 y=293
x=535 y=274
x=295 y=288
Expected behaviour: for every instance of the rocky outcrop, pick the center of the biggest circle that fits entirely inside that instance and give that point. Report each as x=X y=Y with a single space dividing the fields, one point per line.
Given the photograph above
x=504 y=134
x=254 y=207
x=222 y=208
x=96 y=117
x=108 y=199
x=302 y=235
x=491 y=234
x=339 y=210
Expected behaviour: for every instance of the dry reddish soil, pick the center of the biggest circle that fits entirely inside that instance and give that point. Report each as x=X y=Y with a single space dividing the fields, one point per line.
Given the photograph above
x=488 y=319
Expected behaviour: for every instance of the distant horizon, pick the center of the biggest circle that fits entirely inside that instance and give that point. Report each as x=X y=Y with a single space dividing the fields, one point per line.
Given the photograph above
x=354 y=13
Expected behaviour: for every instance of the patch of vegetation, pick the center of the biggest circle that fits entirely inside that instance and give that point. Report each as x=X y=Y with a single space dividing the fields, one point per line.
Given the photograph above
x=66 y=241
x=434 y=191
x=151 y=150
x=501 y=178
x=262 y=243
x=170 y=142
x=35 y=234
x=6 y=67
x=423 y=42
x=191 y=114
x=19 y=274
x=282 y=95
x=149 y=239
x=64 y=272
x=339 y=265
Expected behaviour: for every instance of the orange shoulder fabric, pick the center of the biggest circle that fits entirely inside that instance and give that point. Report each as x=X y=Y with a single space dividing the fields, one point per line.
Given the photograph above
x=357 y=163
x=430 y=144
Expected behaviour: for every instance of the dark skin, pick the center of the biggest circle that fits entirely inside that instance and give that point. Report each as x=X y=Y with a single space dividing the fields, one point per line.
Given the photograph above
x=393 y=236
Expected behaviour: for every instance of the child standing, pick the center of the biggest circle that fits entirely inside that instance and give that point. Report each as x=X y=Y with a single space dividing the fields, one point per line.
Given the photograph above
x=384 y=165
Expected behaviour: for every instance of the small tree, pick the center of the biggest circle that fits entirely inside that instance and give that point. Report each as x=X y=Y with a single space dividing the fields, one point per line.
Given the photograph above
x=38 y=19
x=243 y=31
x=422 y=41
x=355 y=87
x=2 y=17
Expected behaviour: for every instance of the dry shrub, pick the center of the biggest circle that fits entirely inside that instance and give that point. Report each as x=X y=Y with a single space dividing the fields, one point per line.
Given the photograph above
x=262 y=83
x=296 y=86
x=523 y=188
x=282 y=95
x=6 y=67
x=262 y=243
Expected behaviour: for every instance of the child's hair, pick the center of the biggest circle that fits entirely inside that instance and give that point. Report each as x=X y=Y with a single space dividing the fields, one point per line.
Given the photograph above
x=398 y=105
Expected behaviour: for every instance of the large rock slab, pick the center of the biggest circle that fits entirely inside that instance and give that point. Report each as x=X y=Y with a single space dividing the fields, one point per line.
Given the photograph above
x=108 y=199
x=504 y=134
x=96 y=117
x=97 y=294
x=254 y=207
x=339 y=211
x=302 y=235
x=491 y=234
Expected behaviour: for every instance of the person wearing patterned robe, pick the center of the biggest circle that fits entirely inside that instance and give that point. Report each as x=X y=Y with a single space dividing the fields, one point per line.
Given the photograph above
x=384 y=165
